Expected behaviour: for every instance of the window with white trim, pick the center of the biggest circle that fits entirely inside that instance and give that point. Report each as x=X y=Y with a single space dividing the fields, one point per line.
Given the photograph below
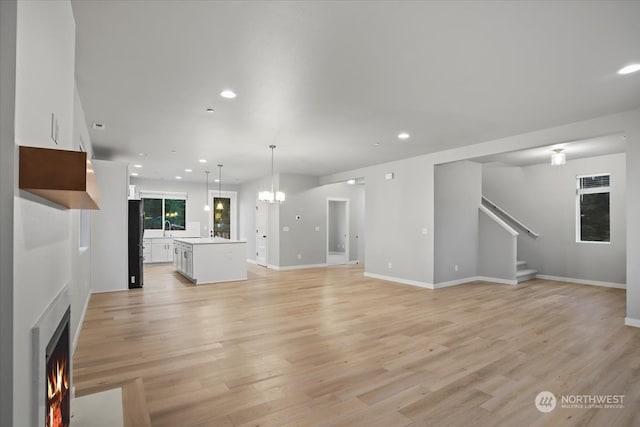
x=592 y=208
x=164 y=211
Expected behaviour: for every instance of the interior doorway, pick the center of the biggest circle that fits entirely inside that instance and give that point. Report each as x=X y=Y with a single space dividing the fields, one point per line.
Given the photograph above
x=337 y=231
x=223 y=215
x=262 y=212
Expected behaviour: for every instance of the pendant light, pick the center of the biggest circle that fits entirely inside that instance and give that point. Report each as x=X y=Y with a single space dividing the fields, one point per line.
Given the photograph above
x=207 y=208
x=558 y=158
x=219 y=206
x=271 y=196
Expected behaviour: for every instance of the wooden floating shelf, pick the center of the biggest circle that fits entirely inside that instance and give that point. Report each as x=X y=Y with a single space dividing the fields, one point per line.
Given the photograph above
x=61 y=176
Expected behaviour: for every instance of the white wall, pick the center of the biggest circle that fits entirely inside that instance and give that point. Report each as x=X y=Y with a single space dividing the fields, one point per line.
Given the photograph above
x=8 y=17
x=410 y=196
x=109 y=228
x=196 y=197
x=633 y=225
x=544 y=198
x=42 y=231
x=458 y=188
x=309 y=200
x=80 y=289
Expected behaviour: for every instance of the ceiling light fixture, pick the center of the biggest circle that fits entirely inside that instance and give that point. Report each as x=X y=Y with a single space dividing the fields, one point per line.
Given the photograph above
x=351 y=181
x=207 y=208
x=134 y=174
x=219 y=206
x=229 y=94
x=210 y=110
x=137 y=166
x=271 y=196
x=202 y=161
x=631 y=68
x=142 y=154
x=188 y=170
x=403 y=135
x=558 y=158
x=178 y=177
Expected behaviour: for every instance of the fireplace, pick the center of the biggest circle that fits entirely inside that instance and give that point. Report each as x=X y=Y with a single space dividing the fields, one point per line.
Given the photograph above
x=52 y=365
x=57 y=393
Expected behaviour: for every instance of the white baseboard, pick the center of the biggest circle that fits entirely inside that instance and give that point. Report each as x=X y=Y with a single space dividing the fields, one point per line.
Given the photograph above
x=496 y=280
x=399 y=280
x=474 y=279
x=630 y=321
x=296 y=267
x=77 y=332
x=582 y=281
x=251 y=261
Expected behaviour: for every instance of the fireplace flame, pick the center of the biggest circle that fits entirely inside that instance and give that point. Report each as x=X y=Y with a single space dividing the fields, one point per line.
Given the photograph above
x=57 y=387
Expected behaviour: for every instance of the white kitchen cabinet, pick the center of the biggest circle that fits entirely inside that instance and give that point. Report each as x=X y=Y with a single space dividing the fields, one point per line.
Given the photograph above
x=159 y=250
x=211 y=260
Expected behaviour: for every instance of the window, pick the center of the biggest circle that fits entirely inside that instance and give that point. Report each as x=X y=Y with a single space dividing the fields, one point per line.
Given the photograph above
x=164 y=212
x=592 y=206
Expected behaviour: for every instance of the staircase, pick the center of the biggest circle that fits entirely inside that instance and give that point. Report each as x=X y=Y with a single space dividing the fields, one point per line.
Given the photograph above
x=523 y=273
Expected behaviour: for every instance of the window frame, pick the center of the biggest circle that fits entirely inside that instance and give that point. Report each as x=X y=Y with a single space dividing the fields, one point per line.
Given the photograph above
x=163 y=196
x=592 y=190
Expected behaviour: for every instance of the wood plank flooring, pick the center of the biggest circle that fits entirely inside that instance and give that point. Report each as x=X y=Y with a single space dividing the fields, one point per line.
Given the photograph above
x=329 y=347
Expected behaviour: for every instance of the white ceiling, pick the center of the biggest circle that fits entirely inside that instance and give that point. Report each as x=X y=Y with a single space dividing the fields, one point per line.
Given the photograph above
x=600 y=146
x=325 y=81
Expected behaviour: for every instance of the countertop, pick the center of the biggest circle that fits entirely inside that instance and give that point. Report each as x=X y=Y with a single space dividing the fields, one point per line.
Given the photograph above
x=207 y=240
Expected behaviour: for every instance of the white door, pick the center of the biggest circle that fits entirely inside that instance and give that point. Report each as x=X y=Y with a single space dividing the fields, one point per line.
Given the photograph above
x=262 y=210
x=337 y=231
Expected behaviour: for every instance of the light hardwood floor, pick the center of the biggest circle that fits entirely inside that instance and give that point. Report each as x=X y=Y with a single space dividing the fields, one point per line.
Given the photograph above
x=329 y=347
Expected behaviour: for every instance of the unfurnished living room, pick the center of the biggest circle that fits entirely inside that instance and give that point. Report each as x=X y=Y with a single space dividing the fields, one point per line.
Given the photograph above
x=319 y=213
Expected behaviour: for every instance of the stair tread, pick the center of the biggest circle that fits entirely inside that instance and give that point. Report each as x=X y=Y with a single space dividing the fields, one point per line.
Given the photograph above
x=526 y=272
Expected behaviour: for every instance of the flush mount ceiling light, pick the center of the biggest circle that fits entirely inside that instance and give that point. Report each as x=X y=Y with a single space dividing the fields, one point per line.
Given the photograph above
x=219 y=206
x=271 y=196
x=206 y=197
x=202 y=161
x=558 y=158
x=403 y=135
x=188 y=170
x=631 y=68
x=229 y=94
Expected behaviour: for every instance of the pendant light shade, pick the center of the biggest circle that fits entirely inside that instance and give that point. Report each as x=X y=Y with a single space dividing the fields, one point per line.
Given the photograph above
x=271 y=196
x=558 y=158
x=219 y=206
x=207 y=208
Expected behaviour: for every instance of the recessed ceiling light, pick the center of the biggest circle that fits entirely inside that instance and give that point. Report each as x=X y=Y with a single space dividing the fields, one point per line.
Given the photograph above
x=98 y=126
x=137 y=166
x=202 y=161
x=210 y=110
x=376 y=144
x=229 y=94
x=351 y=181
x=173 y=151
x=403 y=135
x=188 y=170
x=142 y=154
x=631 y=68
x=178 y=177
x=134 y=174
x=216 y=180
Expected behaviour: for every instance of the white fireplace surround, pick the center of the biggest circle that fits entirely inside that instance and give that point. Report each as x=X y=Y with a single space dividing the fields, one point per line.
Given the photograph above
x=42 y=332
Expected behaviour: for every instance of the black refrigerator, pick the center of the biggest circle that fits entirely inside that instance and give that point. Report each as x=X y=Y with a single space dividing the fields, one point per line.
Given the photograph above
x=136 y=230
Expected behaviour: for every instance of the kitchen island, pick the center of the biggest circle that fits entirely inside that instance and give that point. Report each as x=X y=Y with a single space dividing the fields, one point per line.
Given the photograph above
x=210 y=260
